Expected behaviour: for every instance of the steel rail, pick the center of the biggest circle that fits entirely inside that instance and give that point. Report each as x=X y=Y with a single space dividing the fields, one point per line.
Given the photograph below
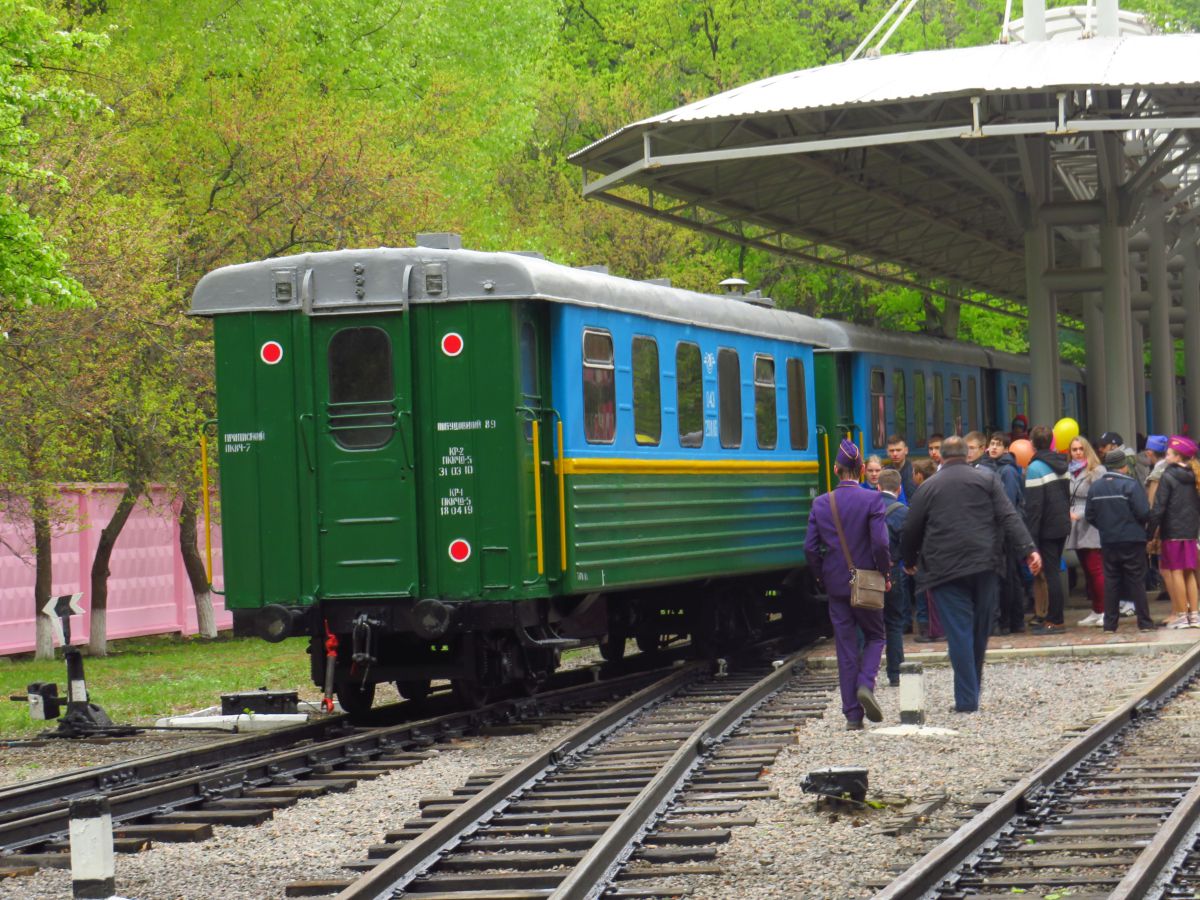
x=48 y=818
x=928 y=872
x=1155 y=858
x=408 y=863
x=592 y=874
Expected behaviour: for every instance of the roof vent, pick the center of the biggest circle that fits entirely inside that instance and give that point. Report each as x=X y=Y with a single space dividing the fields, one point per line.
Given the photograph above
x=735 y=286
x=440 y=240
x=757 y=299
x=661 y=282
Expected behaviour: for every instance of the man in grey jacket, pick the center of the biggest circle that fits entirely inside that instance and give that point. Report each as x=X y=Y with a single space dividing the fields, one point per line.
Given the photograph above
x=963 y=564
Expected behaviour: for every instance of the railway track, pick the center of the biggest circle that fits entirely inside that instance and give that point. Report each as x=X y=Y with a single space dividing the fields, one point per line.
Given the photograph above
x=641 y=792
x=179 y=796
x=1114 y=815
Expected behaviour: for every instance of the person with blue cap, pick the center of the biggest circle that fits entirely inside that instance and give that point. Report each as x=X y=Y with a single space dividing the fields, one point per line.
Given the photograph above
x=860 y=517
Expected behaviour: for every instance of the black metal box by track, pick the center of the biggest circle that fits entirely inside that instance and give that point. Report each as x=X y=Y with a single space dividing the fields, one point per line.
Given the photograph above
x=259 y=702
x=839 y=782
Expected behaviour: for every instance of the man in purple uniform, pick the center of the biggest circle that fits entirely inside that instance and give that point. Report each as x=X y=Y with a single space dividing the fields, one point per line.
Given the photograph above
x=862 y=514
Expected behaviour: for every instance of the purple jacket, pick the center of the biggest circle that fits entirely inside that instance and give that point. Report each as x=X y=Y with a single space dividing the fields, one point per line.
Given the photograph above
x=865 y=525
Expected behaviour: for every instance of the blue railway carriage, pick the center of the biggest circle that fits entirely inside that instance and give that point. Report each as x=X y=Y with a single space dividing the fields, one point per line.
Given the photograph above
x=1009 y=385
x=901 y=383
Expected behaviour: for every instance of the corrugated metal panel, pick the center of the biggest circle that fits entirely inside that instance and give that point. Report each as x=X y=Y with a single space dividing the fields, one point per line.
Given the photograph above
x=1146 y=61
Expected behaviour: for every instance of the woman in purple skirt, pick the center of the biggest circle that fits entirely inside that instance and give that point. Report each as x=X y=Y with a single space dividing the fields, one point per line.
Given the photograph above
x=1176 y=518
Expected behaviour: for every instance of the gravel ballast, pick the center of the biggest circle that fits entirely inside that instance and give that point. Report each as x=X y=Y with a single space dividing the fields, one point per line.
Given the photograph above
x=794 y=851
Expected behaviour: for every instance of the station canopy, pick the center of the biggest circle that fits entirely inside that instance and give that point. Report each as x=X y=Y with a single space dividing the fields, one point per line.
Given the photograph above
x=924 y=169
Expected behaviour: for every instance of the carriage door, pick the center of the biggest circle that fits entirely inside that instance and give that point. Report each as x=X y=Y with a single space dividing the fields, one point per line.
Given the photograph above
x=366 y=499
x=539 y=436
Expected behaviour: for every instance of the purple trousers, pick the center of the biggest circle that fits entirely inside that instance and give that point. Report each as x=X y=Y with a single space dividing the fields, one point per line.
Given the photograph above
x=856 y=667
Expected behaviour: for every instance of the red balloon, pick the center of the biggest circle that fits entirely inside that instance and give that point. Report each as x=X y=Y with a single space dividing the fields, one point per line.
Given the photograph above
x=1022 y=452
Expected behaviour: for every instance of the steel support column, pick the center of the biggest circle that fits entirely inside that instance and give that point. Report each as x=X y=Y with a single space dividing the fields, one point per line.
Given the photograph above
x=1117 y=370
x=1045 y=397
x=1190 y=245
x=1162 y=345
x=1093 y=336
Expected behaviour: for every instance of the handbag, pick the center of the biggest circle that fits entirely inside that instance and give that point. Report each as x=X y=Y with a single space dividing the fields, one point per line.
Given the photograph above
x=866 y=585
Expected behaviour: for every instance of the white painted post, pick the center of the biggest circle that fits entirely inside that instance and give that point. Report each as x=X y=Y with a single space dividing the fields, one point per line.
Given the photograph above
x=912 y=693
x=92 y=869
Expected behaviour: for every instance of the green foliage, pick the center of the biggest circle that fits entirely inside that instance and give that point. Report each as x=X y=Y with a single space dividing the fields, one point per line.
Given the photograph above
x=37 y=65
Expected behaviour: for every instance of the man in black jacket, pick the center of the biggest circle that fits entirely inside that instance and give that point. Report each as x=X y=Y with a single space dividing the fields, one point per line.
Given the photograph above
x=1117 y=507
x=1048 y=515
x=963 y=564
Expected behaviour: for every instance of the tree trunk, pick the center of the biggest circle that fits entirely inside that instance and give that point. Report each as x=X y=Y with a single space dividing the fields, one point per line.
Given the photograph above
x=98 y=634
x=206 y=620
x=44 y=630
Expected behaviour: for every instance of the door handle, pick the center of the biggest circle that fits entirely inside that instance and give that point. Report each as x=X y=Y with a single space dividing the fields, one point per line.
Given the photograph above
x=409 y=452
x=304 y=440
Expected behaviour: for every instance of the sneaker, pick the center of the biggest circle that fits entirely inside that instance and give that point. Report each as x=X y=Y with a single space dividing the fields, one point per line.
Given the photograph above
x=854 y=725
x=1092 y=619
x=1049 y=628
x=1037 y=620
x=870 y=705
x=1179 y=621
x=1127 y=609
x=1193 y=620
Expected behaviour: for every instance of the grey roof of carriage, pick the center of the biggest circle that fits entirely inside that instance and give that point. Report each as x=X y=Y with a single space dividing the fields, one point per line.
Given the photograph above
x=327 y=283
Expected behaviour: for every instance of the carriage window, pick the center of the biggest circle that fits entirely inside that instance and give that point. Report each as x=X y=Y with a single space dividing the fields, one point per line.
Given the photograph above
x=972 y=404
x=797 y=404
x=919 y=407
x=689 y=394
x=878 y=410
x=599 y=388
x=939 y=406
x=362 y=408
x=1011 y=395
x=729 y=391
x=765 y=418
x=956 y=404
x=529 y=391
x=899 y=399
x=647 y=399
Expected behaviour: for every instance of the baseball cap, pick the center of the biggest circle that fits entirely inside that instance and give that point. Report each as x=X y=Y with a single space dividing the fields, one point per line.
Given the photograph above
x=1111 y=437
x=1157 y=443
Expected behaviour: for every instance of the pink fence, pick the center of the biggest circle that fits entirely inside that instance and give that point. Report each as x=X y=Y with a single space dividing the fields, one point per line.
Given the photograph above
x=148 y=588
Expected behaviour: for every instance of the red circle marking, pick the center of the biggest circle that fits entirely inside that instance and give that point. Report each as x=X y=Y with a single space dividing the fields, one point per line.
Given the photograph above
x=460 y=550
x=452 y=343
x=271 y=352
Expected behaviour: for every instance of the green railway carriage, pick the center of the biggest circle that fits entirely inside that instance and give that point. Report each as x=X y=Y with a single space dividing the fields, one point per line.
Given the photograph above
x=439 y=463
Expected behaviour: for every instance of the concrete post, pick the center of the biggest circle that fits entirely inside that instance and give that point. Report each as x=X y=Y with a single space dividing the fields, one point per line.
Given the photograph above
x=1137 y=349
x=1190 y=245
x=912 y=694
x=1118 y=368
x=1093 y=337
x=1046 y=394
x=1162 y=344
x=93 y=873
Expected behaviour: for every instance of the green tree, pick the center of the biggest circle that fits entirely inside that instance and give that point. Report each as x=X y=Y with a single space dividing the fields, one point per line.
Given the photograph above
x=37 y=62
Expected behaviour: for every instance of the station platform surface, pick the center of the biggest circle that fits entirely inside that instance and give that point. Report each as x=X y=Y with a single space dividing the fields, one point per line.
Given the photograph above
x=1079 y=640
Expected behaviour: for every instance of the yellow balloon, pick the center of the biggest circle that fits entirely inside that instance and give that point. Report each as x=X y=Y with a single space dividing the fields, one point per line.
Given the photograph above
x=1065 y=431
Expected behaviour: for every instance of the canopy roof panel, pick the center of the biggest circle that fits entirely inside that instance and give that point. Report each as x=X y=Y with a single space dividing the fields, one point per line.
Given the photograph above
x=918 y=168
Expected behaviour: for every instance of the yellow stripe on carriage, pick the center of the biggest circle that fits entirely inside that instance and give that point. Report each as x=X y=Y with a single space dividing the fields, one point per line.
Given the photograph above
x=613 y=466
x=537 y=493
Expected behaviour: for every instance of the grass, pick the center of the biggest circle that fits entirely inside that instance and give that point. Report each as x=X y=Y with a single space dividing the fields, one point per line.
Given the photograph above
x=143 y=679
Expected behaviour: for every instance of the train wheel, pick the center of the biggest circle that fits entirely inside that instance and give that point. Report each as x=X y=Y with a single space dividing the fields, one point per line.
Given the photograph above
x=471 y=693
x=647 y=640
x=356 y=698
x=612 y=648
x=417 y=689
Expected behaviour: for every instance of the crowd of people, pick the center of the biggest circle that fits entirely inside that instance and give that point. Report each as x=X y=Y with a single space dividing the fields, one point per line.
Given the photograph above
x=980 y=548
